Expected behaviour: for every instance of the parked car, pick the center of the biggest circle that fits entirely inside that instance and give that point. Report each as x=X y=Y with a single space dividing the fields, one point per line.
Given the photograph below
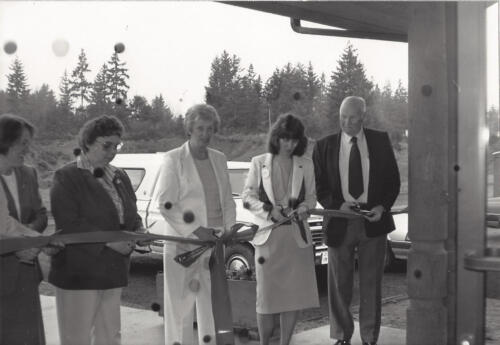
x=143 y=170
x=493 y=212
x=399 y=242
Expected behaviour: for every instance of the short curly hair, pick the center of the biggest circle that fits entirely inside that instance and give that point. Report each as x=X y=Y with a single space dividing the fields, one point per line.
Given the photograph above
x=202 y=111
x=11 y=129
x=287 y=126
x=102 y=126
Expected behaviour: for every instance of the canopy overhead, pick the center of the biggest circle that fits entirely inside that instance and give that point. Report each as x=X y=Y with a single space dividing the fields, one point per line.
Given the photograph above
x=382 y=20
x=375 y=20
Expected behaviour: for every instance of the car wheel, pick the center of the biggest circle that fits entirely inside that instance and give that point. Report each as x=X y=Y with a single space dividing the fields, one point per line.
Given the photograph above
x=239 y=257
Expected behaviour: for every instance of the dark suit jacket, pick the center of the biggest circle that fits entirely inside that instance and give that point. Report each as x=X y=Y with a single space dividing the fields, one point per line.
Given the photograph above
x=33 y=213
x=81 y=204
x=383 y=187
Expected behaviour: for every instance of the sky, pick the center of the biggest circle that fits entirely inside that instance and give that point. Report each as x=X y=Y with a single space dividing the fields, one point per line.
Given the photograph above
x=169 y=46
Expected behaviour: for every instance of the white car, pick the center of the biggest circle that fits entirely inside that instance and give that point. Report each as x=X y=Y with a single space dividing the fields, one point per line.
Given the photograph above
x=143 y=170
x=399 y=243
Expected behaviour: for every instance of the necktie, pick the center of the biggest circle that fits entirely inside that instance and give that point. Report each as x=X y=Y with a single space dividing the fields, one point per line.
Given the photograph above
x=355 y=170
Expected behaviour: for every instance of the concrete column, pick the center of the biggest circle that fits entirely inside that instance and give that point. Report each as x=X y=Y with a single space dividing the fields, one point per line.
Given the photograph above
x=496 y=173
x=432 y=179
x=472 y=144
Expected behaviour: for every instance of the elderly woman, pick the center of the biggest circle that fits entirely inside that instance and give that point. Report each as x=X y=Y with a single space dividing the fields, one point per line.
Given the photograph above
x=196 y=200
x=20 y=310
x=90 y=194
x=281 y=182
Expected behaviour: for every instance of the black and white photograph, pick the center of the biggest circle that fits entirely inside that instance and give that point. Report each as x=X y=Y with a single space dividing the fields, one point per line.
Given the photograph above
x=249 y=172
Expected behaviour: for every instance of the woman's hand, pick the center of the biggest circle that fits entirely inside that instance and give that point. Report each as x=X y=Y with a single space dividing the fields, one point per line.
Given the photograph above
x=28 y=256
x=206 y=234
x=302 y=212
x=276 y=214
x=53 y=248
x=124 y=247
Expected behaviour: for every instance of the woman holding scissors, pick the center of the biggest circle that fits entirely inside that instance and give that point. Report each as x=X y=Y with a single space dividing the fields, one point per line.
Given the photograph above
x=281 y=184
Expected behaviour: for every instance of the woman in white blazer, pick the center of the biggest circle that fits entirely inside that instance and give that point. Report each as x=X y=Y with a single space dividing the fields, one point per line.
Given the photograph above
x=278 y=183
x=196 y=201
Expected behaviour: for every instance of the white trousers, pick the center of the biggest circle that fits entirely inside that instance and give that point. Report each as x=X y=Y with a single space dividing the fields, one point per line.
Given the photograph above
x=89 y=317
x=183 y=289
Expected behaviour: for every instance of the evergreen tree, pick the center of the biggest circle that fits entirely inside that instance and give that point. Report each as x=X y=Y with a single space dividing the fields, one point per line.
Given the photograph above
x=116 y=78
x=17 y=88
x=349 y=79
x=80 y=86
x=140 y=109
x=65 y=99
x=160 y=111
x=99 y=94
x=3 y=102
x=224 y=84
x=43 y=112
x=292 y=89
x=249 y=102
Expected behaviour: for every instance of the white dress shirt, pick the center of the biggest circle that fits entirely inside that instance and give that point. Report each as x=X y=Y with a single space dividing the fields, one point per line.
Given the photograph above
x=10 y=227
x=345 y=151
x=11 y=182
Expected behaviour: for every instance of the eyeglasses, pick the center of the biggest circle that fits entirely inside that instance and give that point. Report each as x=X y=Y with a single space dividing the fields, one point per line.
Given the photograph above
x=108 y=145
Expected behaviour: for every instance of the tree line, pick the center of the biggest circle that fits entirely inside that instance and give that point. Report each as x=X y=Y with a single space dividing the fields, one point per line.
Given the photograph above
x=80 y=99
x=245 y=102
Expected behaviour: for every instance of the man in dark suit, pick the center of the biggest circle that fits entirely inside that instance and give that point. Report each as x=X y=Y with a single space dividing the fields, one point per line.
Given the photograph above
x=356 y=169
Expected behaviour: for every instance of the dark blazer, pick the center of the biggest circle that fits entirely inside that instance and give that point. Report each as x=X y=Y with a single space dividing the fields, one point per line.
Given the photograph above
x=33 y=214
x=383 y=187
x=81 y=204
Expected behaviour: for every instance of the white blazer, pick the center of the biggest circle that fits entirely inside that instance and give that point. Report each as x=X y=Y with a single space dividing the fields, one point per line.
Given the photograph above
x=261 y=170
x=180 y=186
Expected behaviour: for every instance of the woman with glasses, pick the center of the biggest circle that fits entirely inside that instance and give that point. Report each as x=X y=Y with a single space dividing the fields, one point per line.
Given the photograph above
x=23 y=214
x=90 y=194
x=281 y=182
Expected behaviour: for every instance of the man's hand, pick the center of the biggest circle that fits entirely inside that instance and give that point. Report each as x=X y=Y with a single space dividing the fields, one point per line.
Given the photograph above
x=123 y=247
x=376 y=214
x=347 y=206
x=206 y=234
x=28 y=256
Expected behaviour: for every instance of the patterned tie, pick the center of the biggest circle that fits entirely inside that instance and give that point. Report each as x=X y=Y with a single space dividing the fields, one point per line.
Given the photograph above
x=355 y=170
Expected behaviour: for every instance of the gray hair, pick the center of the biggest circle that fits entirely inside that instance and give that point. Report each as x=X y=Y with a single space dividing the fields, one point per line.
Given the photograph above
x=202 y=111
x=354 y=101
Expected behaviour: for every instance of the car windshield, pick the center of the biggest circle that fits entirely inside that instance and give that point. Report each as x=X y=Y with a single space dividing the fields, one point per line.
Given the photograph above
x=237 y=179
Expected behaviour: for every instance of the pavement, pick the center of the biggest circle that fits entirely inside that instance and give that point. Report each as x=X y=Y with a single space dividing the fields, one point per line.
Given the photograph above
x=145 y=327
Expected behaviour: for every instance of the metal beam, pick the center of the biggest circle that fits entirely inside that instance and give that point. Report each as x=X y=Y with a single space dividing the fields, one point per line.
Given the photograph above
x=297 y=27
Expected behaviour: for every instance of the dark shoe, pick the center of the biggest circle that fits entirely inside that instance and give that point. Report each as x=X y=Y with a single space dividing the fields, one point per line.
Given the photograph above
x=343 y=342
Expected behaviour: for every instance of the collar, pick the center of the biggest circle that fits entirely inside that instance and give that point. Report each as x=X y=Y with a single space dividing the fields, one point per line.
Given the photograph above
x=83 y=162
x=346 y=138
